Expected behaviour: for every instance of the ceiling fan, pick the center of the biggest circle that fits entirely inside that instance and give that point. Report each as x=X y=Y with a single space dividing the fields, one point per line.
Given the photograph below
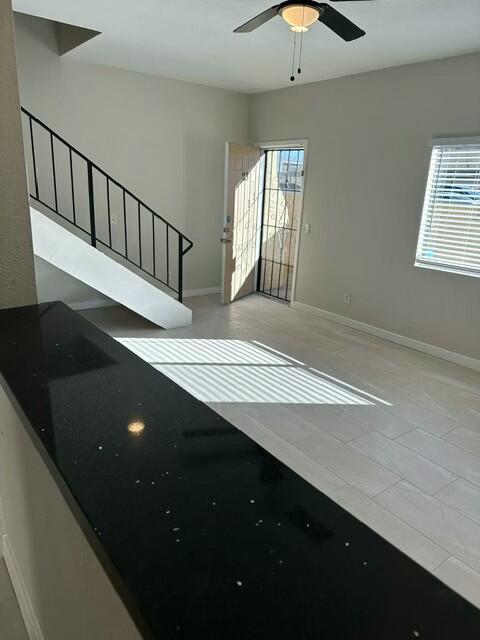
x=301 y=16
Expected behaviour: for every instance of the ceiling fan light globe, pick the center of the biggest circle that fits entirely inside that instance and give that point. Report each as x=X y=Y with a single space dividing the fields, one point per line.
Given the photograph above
x=300 y=17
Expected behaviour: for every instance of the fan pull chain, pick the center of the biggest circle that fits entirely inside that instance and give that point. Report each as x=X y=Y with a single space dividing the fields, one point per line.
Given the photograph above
x=300 y=55
x=299 y=70
x=292 y=77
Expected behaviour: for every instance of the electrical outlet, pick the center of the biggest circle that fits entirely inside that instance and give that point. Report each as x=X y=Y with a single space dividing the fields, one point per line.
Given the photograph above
x=306 y=228
x=347 y=298
x=114 y=219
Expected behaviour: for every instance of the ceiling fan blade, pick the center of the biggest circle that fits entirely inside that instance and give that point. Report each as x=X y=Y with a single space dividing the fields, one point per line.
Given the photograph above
x=256 y=22
x=338 y=23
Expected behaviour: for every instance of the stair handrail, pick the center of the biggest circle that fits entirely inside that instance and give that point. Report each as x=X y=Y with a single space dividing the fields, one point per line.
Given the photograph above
x=94 y=239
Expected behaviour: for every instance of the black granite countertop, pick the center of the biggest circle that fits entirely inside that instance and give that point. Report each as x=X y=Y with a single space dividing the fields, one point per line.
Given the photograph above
x=203 y=533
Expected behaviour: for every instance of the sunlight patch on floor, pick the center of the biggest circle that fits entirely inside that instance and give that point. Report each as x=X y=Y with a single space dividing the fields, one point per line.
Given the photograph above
x=250 y=383
x=239 y=371
x=200 y=351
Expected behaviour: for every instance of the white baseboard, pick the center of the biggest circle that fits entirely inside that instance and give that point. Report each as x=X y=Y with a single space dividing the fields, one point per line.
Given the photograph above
x=201 y=292
x=32 y=625
x=424 y=347
x=91 y=304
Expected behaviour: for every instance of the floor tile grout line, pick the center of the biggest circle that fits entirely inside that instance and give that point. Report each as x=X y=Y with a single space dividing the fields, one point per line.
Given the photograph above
x=404 y=434
x=435 y=495
x=454 y=557
x=336 y=472
x=291 y=446
x=462 y=512
x=441 y=465
x=386 y=489
x=402 y=477
x=425 y=535
x=395 y=438
x=367 y=458
x=420 y=455
x=349 y=442
x=447 y=432
x=446 y=559
x=459 y=446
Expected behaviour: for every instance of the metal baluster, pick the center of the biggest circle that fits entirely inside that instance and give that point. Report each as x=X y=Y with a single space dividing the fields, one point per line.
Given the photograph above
x=109 y=213
x=54 y=172
x=125 y=224
x=33 y=159
x=91 y=200
x=139 y=235
x=180 y=268
x=168 y=258
x=153 y=247
x=72 y=187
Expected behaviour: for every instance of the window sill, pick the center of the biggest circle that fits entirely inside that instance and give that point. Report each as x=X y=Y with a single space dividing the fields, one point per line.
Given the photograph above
x=447 y=269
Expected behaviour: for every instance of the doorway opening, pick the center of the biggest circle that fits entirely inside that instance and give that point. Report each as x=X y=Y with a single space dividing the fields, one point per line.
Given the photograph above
x=281 y=220
x=263 y=208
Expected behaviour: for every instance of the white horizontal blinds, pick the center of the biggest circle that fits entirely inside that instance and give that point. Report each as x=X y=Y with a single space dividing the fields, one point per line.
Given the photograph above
x=450 y=228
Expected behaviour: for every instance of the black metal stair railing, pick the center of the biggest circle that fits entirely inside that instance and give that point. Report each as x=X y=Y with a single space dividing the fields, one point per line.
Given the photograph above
x=70 y=185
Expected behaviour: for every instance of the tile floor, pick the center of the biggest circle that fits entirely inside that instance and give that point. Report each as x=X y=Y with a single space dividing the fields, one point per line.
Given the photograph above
x=391 y=434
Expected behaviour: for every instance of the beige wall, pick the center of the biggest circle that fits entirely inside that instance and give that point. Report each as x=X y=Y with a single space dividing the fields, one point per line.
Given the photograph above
x=17 y=280
x=368 y=160
x=53 y=283
x=163 y=139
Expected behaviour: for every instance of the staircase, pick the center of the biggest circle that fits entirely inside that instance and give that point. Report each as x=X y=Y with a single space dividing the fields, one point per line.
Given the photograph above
x=87 y=224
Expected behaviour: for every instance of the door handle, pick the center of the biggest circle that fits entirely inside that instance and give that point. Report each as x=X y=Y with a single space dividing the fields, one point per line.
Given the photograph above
x=224 y=240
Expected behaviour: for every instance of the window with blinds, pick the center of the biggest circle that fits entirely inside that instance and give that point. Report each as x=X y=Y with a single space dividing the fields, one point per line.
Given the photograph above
x=449 y=236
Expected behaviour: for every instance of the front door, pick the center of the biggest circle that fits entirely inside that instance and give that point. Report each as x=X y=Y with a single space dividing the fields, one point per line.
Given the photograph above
x=244 y=183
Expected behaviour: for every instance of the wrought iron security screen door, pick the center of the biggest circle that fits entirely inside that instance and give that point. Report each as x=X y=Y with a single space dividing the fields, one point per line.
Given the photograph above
x=243 y=211
x=282 y=210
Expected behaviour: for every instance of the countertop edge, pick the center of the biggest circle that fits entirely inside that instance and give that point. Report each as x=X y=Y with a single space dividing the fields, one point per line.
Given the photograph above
x=96 y=545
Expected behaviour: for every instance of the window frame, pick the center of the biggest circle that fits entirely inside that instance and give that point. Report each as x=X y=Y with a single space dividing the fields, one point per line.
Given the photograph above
x=438 y=266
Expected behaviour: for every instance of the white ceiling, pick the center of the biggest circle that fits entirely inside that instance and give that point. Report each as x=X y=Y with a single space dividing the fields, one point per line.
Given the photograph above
x=192 y=39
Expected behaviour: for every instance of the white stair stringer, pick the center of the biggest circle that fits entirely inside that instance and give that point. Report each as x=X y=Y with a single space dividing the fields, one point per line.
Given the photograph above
x=74 y=256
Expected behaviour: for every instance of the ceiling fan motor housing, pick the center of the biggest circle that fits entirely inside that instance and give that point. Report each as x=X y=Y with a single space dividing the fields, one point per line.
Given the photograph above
x=307 y=3
x=299 y=16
